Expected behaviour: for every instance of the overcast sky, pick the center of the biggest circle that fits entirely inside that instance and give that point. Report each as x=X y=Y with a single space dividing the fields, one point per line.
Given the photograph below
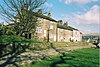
x=81 y=14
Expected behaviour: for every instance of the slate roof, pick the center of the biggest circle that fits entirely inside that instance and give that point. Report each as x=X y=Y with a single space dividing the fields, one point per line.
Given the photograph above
x=66 y=27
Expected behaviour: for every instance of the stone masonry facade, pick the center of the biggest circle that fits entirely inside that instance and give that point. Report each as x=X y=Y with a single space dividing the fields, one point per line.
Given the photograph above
x=50 y=30
x=47 y=30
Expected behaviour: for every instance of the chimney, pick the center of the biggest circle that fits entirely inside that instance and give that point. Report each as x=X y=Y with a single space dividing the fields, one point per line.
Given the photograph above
x=49 y=15
x=40 y=11
x=60 y=22
x=66 y=24
x=25 y=7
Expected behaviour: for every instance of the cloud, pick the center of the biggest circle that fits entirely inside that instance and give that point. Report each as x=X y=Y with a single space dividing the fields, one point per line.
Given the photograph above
x=86 y=31
x=86 y=22
x=68 y=1
x=3 y=21
x=77 y=1
x=90 y=17
x=48 y=5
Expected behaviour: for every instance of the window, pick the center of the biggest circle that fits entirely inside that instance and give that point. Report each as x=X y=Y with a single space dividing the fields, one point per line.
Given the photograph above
x=28 y=35
x=18 y=20
x=51 y=26
x=40 y=20
x=39 y=29
x=51 y=35
x=61 y=37
x=45 y=33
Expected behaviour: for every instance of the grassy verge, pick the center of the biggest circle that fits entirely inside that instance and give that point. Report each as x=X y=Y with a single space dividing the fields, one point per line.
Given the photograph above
x=45 y=45
x=68 y=44
x=79 y=58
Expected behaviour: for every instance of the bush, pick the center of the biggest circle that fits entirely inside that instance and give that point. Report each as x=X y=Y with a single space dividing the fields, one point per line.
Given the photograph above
x=5 y=39
x=12 y=46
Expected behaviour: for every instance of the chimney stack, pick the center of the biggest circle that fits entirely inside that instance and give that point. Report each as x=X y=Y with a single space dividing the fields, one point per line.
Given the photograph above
x=40 y=11
x=25 y=7
x=49 y=15
x=60 y=22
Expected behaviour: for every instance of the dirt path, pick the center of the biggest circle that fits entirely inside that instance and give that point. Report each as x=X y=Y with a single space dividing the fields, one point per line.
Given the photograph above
x=75 y=47
x=28 y=57
x=50 y=52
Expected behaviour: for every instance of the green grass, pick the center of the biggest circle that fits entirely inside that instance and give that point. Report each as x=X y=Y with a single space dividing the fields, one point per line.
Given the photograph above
x=79 y=58
x=45 y=45
x=66 y=44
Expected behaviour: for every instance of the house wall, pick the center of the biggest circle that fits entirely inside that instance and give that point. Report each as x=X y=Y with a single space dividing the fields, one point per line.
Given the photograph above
x=45 y=29
x=68 y=35
x=64 y=35
x=77 y=36
x=52 y=31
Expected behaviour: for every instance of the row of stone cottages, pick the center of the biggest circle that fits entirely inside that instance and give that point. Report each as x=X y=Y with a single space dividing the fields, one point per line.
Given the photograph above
x=51 y=30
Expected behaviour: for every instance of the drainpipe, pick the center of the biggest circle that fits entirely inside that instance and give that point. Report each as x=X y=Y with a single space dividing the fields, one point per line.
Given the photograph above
x=56 y=34
x=48 y=32
x=48 y=35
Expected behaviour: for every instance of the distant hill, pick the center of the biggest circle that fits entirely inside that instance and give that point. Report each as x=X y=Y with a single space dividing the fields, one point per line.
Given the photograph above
x=92 y=34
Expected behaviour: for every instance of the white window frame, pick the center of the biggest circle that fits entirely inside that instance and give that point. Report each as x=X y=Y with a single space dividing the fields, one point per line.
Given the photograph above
x=39 y=30
x=51 y=26
x=40 y=20
x=17 y=20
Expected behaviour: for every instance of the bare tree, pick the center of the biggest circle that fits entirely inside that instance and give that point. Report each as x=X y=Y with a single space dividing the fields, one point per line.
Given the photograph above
x=21 y=13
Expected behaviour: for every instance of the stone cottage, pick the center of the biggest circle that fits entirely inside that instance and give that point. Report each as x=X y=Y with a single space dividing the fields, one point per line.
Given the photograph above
x=63 y=35
x=76 y=35
x=46 y=28
x=50 y=30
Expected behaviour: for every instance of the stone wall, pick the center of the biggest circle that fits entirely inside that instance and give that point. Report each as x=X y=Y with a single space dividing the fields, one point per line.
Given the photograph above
x=47 y=31
x=64 y=35
x=76 y=36
x=46 y=28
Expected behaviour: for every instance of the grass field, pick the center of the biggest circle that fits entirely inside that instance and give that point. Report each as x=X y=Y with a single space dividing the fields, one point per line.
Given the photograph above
x=79 y=58
x=45 y=45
